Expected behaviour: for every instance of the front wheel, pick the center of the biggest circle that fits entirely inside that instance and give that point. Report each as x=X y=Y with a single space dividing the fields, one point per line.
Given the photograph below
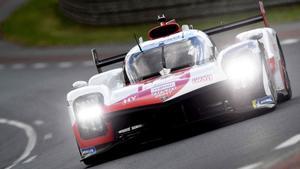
x=89 y=161
x=286 y=79
x=288 y=88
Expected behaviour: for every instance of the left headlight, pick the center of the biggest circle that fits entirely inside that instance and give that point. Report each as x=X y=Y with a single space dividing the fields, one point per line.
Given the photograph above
x=241 y=70
x=88 y=112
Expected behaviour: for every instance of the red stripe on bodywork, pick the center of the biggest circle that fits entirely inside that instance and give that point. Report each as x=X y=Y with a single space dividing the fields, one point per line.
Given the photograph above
x=146 y=97
x=142 y=98
x=271 y=63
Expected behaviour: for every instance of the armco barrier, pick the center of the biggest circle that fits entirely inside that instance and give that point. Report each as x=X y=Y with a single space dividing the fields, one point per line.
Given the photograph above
x=115 y=12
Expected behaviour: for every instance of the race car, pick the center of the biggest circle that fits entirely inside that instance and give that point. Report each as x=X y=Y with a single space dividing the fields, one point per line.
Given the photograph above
x=175 y=78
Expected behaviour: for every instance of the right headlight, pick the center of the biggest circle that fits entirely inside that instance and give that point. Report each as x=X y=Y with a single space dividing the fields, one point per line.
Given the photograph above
x=241 y=69
x=88 y=113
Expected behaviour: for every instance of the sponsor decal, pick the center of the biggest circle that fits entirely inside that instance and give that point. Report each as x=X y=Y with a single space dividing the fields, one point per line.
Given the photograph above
x=125 y=130
x=266 y=101
x=202 y=79
x=163 y=98
x=136 y=126
x=163 y=90
x=88 y=151
x=129 y=99
x=254 y=104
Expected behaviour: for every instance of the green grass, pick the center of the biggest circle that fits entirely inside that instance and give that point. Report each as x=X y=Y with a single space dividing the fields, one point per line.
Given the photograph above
x=40 y=23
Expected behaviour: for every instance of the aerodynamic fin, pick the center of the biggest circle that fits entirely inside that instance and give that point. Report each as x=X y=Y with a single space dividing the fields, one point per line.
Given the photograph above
x=244 y=22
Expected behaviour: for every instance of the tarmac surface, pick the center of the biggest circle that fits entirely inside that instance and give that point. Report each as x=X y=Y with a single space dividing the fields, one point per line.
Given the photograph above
x=36 y=132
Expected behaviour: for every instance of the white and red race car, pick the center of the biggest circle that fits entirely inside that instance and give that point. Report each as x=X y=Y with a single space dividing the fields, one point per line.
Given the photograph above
x=175 y=78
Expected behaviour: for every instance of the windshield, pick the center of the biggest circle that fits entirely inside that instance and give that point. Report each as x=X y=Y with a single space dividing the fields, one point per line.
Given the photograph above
x=172 y=56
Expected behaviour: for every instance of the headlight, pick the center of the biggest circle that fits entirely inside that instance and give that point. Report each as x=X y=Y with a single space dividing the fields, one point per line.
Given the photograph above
x=88 y=112
x=241 y=70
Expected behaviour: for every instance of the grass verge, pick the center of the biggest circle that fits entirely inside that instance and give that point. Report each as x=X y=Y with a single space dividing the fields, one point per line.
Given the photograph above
x=40 y=23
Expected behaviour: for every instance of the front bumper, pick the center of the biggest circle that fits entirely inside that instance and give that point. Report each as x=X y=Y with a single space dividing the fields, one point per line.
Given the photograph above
x=138 y=122
x=204 y=103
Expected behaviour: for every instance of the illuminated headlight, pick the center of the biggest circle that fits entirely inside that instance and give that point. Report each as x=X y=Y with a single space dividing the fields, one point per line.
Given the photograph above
x=89 y=113
x=241 y=70
x=88 y=110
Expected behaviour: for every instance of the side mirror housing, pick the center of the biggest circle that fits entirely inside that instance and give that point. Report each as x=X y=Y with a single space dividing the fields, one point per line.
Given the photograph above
x=256 y=36
x=79 y=84
x=250 y=35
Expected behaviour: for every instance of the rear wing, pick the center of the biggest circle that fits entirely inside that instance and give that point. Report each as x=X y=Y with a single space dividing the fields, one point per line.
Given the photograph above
x=252 y=20
x=211 y=31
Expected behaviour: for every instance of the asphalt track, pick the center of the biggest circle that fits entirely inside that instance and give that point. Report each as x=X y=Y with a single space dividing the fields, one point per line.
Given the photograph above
x=34 y=124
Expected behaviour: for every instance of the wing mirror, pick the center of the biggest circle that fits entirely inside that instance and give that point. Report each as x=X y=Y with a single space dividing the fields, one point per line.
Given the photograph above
x=79 y=84
x=257 y=36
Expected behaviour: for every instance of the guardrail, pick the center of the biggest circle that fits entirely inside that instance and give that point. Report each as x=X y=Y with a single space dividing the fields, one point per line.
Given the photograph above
x=116 y=12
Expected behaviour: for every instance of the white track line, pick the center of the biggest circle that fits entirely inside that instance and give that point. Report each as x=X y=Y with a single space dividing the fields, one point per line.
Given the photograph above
x=292 y=141
x=18 y=66
x=65 y=64
x=252 y=166
x=289 y=41
x=39 y=65
x=88 y=63
x=28 y=160
x=31 y=135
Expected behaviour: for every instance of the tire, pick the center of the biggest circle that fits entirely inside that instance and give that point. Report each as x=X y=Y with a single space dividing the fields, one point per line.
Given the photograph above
x=272 y=88
x=89 y=161
x=287 y=87
x=95 y=159
x=287 y=83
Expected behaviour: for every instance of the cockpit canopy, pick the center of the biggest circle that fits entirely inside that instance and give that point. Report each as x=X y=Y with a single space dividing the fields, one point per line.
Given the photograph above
x=174 y=56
